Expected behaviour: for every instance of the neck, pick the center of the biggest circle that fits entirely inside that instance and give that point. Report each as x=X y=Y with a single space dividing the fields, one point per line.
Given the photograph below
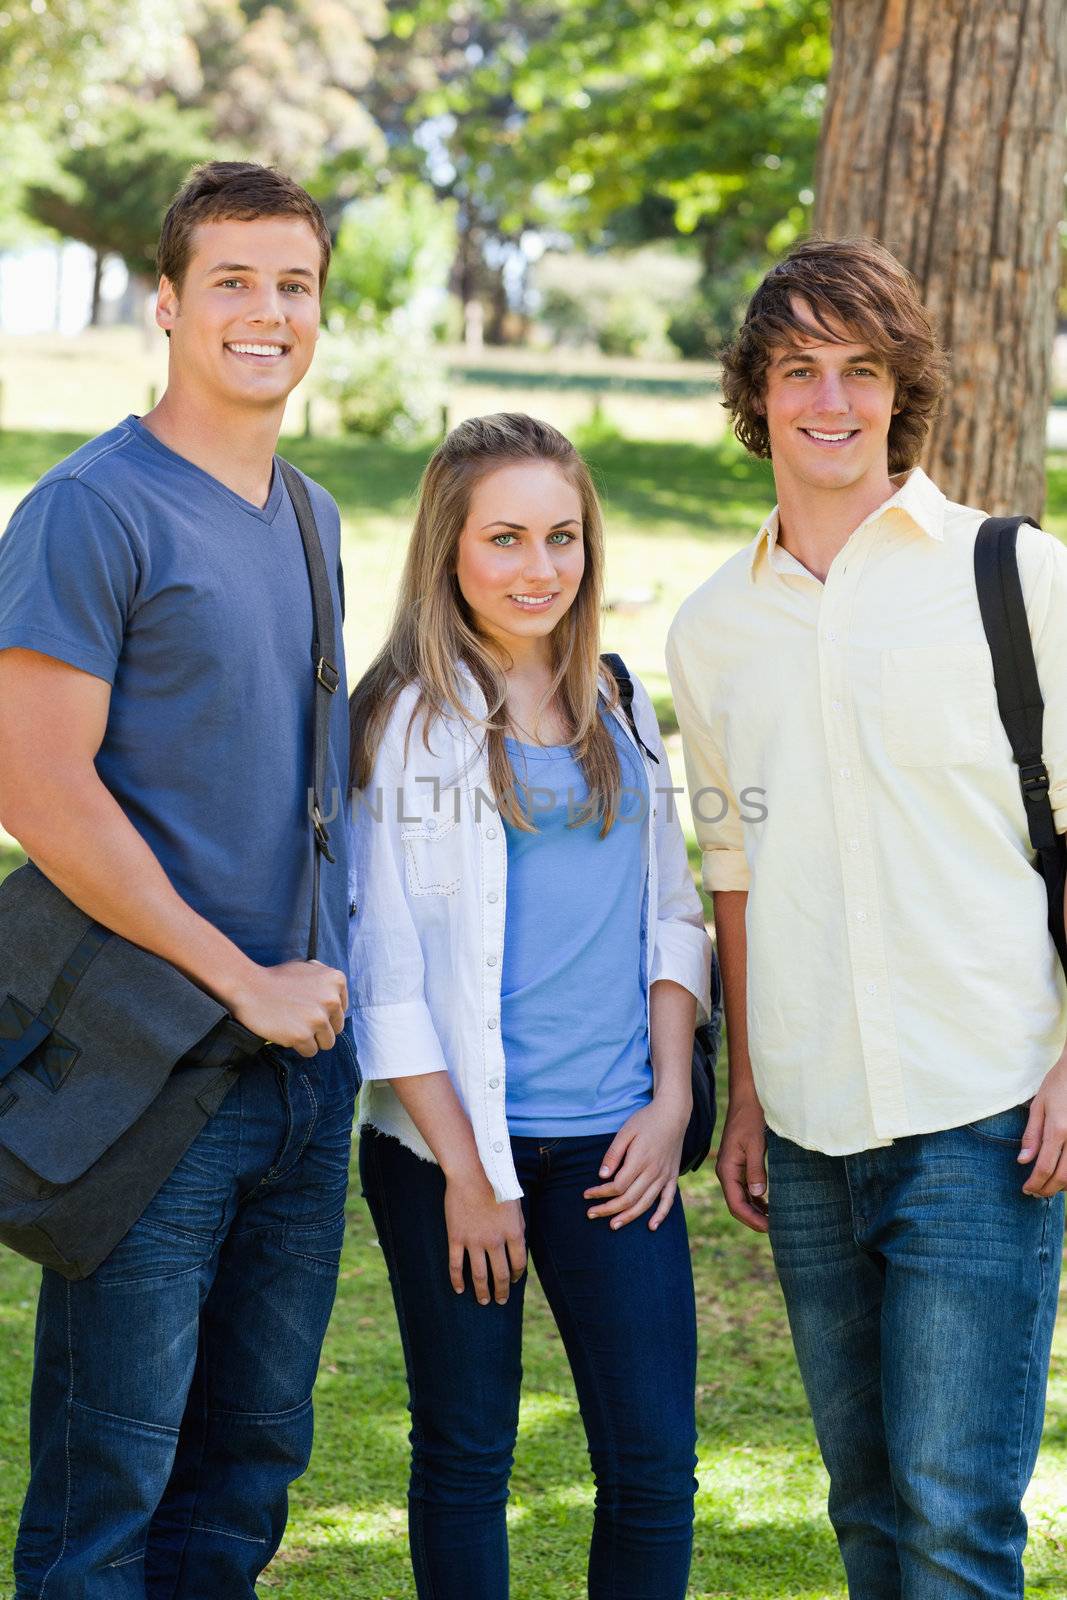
x=814 y=524
x=234 y=444
x=524 y=660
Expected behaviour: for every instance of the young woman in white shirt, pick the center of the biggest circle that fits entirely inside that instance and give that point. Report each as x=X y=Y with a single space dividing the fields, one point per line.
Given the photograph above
x=528 y=954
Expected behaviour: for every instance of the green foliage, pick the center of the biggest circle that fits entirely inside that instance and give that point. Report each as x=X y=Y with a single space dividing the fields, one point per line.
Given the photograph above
x=384 y=378
x=393 y=252
x=111 y=189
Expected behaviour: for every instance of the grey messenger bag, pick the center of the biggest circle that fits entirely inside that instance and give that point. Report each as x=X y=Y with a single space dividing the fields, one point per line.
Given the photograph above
x=111 y=1061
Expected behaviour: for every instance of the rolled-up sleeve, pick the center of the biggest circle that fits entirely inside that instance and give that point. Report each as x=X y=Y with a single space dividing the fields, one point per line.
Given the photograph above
x=716 y=813
x=1043 y=571
x=394 y=1031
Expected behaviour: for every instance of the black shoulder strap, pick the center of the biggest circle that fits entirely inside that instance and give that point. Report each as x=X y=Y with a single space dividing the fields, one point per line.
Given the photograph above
x=327 y=679
x=1019 y=698
x=617 y=667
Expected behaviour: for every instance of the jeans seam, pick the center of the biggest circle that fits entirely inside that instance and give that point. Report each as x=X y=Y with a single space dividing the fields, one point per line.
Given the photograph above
x=277 y=1174
x=1018 y=1464
x=401 y=1317
x=66 y=1449
x=605 y=1410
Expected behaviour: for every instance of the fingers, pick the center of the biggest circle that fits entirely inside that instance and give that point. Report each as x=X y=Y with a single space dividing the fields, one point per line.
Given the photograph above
x=1033 y=1132
x=614 y=1154
x=1049 y=1174
x=498 y=1260
x=455 y=1265
x=747 y=1208
x=756 y=1169
x=325 y=1038
x=480 y=1276
x=639 y=1199
x=517 y=1257
x=666 y=1200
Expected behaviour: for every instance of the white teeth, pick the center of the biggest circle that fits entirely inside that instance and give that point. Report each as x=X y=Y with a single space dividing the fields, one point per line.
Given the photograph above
x=258 y=349
x=533 y=600
x=832 y=438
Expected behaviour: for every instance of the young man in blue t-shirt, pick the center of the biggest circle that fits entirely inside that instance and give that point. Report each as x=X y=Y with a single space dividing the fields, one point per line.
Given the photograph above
x=155 y=726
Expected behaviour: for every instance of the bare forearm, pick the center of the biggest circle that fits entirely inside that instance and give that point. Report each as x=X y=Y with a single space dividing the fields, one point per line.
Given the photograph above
x=672 y=1017
x=435 y=1108
x=732 y=944
x=80 y=837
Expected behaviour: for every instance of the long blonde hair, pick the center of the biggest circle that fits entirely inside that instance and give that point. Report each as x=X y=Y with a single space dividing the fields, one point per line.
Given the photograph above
x=433 y=629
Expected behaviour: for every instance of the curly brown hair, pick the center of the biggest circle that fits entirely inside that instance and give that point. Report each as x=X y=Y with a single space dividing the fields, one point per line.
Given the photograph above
x=854 y=290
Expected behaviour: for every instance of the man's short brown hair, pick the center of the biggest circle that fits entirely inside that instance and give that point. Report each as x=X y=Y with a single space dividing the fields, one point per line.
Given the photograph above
x=855 y=291
x=233 y=191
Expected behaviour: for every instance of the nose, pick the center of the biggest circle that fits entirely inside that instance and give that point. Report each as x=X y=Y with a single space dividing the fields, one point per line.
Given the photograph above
x=539 y=566
x=830 y=397
x=268 y=310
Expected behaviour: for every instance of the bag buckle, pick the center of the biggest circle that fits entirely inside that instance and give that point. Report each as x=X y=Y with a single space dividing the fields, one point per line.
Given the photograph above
x=1034 y=780
x=327 y=674
x=322 y=837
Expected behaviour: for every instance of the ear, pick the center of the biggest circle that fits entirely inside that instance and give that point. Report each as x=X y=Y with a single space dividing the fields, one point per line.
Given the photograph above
x=166 y=305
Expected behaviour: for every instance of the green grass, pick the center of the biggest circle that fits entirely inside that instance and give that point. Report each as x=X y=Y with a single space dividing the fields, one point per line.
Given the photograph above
x=674 y=512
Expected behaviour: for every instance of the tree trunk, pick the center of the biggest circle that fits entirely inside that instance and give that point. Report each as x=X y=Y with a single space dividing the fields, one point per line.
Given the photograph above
x=98 y=273
x=945 y=136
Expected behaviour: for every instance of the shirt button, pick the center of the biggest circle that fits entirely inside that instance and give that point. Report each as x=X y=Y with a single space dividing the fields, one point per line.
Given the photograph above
x=492 y=899
x=498 y=1145
x=836 y=705
x=494 y=1083
x=831 y=635
x=861 y=916
x=490 y=833
x=491 y=1023
x=872 y=988
x=490 y=961
x=853 y=844
x=352 y=908
x=431 y=822
x=846 y=772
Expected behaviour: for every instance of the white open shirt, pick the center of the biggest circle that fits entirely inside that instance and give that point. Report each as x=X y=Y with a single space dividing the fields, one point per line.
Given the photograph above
x=426 y=934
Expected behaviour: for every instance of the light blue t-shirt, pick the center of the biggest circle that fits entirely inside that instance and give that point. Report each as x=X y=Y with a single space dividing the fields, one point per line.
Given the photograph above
x=573 y=1011
x=131 y=563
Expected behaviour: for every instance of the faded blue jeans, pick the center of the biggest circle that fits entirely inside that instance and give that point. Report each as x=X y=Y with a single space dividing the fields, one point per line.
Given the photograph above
x=171 y=1401
x=921 y=1288
x=623 y=1303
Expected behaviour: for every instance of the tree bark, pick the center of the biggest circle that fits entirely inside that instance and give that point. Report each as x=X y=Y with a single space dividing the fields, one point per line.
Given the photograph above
x=945 y=136
x=98 y=274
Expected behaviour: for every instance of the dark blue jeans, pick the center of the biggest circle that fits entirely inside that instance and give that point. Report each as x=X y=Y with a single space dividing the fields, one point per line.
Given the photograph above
x=921 y=1288
x=171 y=1401
x=624 y=1305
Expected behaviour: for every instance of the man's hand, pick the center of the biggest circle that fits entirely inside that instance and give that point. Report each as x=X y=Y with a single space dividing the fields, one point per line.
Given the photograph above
x=299 y=1004
x=641 y=1165
x=742 y=1164
x=491 y=1233
x=1045 y=1136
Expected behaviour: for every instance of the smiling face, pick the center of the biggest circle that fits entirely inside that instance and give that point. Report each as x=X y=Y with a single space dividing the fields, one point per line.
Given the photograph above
x=828 y=408
x=521 y=554
x=244 y=322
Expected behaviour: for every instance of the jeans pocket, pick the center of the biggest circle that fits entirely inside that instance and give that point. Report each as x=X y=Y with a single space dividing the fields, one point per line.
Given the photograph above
x=1003 y=1127
x=317 y=1242
x=153 y=1249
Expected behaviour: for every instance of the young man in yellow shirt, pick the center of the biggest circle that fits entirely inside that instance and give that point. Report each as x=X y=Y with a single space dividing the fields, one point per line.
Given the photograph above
x=895 y=1006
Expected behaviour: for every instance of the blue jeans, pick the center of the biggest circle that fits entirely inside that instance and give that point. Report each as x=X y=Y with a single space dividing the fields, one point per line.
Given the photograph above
x=171 y=1399
x=624 y=1305
x=921 y=1288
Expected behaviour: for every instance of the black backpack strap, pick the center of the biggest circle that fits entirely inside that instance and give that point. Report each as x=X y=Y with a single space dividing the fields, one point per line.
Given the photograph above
x=617 y=667
x=1019 y=698
x=327 y=679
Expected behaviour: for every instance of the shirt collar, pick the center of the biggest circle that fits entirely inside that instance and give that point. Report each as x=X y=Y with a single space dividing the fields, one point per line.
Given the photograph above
x=916 y=496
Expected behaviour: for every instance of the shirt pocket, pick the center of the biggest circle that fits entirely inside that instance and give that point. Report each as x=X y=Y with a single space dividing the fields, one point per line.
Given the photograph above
x=433 y=848
x=937 y=704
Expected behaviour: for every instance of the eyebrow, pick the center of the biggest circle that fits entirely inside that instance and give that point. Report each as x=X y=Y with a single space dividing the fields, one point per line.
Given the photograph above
x=237 y=266
x=871 y=357
x=520 y=527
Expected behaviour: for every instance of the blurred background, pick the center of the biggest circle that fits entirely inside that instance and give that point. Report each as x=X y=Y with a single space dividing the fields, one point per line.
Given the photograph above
x=560 y=208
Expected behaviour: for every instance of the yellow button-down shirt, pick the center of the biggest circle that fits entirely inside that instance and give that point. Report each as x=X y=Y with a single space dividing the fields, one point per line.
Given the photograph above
x=848 y=768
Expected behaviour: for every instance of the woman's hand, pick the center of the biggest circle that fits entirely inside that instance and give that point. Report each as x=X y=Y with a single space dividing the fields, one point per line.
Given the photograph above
x=491 y=1233
x=1044 y=1140
x=641 y=1164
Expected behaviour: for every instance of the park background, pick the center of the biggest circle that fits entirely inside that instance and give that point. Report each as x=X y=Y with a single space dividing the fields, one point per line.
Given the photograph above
x=556 y=207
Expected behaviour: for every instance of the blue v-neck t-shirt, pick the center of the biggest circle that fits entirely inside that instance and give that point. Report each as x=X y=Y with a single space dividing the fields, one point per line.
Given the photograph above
x=574 y=1018
x=130 y=563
